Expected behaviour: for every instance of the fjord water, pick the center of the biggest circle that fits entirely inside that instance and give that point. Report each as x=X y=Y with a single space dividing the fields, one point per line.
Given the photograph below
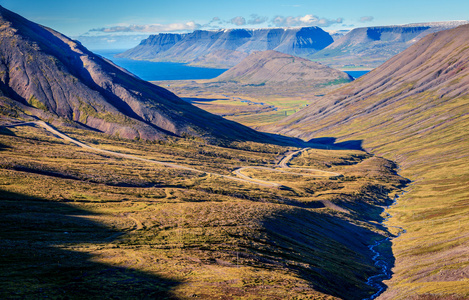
x=153 y=71
x=356 y=74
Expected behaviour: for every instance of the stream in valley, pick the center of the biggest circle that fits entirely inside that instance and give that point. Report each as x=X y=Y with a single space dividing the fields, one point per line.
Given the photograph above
x=380 y=260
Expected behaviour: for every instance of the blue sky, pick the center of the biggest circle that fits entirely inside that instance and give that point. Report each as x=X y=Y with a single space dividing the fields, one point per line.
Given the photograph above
x=117 y=18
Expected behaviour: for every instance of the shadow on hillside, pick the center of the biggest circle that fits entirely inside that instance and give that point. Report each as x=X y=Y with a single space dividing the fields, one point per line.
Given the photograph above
x=192 y=100
x=332 y=142
x=3 y=147
x=35 y=262
x=5 y=131
x=328 y=143
x=331 y=253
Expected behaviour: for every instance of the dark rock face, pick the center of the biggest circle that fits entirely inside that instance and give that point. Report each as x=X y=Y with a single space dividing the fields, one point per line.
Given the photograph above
x=48 y=74
x=201 y=47
x=369 y=47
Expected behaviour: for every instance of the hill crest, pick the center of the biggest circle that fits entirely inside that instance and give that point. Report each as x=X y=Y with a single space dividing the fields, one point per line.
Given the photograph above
x=51 y=76
x=273 y=67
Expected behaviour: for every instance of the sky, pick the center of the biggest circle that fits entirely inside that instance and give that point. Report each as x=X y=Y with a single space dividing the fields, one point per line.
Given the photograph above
x=123 y=23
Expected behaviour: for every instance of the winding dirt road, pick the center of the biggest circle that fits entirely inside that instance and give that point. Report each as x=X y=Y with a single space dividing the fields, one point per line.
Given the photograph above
x=281 y=167
x=287 y=158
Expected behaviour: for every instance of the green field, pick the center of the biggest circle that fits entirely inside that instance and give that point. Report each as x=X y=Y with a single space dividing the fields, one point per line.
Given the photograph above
x=253 y=106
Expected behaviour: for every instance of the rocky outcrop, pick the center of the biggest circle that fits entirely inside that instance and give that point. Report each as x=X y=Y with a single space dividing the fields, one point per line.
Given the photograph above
x=275 y=68
x=226 y=48
x=369 y=47
x=48 y=74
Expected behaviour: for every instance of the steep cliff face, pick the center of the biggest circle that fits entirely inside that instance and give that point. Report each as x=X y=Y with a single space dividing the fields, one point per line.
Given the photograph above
x=226 y=48
x=49 y=75
x=369 y=47
x=155 y=44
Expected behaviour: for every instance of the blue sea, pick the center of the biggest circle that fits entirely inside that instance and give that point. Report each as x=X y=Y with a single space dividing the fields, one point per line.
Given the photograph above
x=356 y=74
x=154 y=71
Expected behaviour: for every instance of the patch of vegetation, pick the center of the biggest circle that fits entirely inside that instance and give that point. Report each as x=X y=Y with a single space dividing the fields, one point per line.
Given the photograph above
x=337 y=82
x=252 y=105
x=88 y=110
x=34 y=102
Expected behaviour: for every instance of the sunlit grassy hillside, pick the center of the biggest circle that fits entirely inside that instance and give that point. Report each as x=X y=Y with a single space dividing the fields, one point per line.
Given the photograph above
x=413 y=110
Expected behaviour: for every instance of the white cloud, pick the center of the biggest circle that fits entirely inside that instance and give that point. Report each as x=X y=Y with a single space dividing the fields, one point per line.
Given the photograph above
x=255 y=19
x=366 y=19
x=238 y=21
x=150 y=28
x=307 y=20
x=216 y=22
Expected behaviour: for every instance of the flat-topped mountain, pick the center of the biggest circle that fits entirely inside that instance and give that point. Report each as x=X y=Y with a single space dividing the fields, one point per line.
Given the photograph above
x=49 y=75
x=226 y=48
x=272 y=67
x=369 y=47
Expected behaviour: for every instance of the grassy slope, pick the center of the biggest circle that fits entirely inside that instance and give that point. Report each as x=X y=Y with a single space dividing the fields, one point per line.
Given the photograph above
x=414 y=110
x=82 y=223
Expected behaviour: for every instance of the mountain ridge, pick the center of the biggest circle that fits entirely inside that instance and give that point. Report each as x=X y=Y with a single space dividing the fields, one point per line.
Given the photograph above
x=50 y=75
x=369 y=47
x=273 y=67
x=203 y=47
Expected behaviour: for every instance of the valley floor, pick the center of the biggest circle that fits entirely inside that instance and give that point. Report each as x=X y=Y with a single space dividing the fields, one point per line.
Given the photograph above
x=95 y=220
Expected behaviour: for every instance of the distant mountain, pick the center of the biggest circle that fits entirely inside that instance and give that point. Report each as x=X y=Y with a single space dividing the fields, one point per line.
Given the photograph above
x=275 y=68
x=413 y=109
x=226 y=48
x=436 y=68
x=49 y=75
x=369 y=47
x=338 y=34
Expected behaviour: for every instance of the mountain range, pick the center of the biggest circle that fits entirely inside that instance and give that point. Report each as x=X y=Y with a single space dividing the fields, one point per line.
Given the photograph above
x=46 y=74
x=226 y=48
x=369 y=47
x=366 y=47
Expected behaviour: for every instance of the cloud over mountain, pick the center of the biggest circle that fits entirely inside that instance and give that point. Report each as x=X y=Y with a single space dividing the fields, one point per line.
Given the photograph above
x=253 y=19
x=238 y=21
x=256 y=19
x=366 y=19
x=306 y=20
x=150 y=28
